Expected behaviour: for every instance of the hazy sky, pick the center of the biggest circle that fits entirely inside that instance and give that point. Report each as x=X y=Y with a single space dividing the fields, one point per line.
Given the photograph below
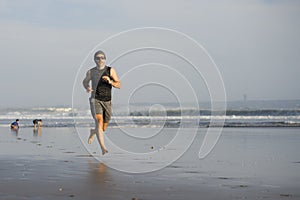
x=255 y=44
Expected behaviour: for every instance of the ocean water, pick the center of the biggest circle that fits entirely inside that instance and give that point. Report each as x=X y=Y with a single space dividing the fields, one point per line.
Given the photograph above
x=238 y=114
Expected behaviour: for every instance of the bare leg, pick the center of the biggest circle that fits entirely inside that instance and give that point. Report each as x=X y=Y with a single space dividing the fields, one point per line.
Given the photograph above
x=92 y=135
x=105 y=124
x=100 y=133
x=93 y=132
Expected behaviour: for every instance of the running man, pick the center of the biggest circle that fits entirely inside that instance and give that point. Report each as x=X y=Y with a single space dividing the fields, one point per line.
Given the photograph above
x=102 y=78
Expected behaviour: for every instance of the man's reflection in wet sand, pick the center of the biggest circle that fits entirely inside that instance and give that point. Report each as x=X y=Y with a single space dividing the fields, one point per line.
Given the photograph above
x=37 y=131
x=99 y=181
x=14 y=131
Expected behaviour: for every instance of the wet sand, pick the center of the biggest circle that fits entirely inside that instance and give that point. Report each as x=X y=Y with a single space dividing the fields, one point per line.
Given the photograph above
x=247 y=163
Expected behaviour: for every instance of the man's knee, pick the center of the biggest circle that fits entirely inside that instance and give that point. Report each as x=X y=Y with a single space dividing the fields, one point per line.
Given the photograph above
x=105 y=124
x=99 y=118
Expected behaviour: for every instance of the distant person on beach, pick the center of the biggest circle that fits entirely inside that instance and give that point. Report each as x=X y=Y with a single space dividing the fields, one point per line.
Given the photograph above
x=37 y=123
x=102 y=78
x=15 y=125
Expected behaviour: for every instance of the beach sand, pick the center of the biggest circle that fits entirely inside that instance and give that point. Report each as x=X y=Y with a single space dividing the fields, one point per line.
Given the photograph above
x=246 y=163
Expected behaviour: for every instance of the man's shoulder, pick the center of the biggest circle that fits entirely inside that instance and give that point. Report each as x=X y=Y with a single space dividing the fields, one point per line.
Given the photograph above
x=110 y=68
x=93 y=68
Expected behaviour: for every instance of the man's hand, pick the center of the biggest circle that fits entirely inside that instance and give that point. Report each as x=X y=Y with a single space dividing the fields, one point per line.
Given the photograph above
x=89 y=90
x=107 y=79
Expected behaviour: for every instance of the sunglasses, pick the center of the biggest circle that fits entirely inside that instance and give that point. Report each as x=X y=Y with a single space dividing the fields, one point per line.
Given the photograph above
x=98 y=58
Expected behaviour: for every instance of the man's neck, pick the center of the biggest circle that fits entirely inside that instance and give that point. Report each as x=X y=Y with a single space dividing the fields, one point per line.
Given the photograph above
x=101 y=66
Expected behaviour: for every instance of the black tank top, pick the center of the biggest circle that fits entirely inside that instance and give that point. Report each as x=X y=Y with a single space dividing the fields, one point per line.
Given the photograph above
x=103 y=91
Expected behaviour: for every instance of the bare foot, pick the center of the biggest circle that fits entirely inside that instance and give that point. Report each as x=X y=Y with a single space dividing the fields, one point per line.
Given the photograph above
x=104 y=151
x=92 y=135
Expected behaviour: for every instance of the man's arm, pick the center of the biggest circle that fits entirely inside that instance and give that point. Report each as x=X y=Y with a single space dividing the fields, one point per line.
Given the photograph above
x=115 y=82
x=86 y=82
x=113 y=79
